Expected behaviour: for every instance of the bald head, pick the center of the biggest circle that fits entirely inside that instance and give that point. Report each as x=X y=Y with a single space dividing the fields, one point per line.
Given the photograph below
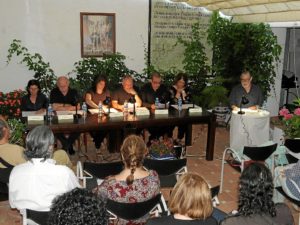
x=63 y=84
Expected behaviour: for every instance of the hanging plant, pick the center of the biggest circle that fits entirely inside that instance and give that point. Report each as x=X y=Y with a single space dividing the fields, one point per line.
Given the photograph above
x=42 y=71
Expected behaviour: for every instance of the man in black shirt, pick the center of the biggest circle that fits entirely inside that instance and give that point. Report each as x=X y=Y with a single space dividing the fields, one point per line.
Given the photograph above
x=149 y=92
x=125 y=93
x=63 y=98
x=154 y=89
x=248 y=90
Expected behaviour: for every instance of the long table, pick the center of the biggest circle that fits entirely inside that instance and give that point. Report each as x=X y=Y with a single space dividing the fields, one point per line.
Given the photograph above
x=116 y=125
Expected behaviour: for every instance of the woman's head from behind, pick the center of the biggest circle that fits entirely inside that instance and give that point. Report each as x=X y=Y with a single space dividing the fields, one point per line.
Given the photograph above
x=78 y=206
x=256 y=190
x=191 y=197
x=133 y=151
x=39 y=143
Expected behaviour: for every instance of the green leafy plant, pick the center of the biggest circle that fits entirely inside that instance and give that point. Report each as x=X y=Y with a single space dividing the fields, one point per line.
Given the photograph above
x=239 y=45
x=17 y=130
x=42 y=71
x=113 y=66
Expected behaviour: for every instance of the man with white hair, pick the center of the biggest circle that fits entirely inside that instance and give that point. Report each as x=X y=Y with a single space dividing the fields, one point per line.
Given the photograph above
x=64 y=98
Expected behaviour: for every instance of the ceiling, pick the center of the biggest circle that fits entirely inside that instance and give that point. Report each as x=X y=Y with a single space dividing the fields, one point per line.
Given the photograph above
x=252 y=10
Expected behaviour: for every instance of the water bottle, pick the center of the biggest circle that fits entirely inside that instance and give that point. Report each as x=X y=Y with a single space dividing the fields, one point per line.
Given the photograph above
x=100 y=108
x=156 y=103
x=84 y=110
x=179 y=104
x=125 y=109
x=49 y=112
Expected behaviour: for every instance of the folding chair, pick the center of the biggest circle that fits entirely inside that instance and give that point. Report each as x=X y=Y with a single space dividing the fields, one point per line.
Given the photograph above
x=97 y=170
x=260 y=153
x=293 y=150
x=168 y=170
x=134 y=211
x=38 y=217
x=4 y=179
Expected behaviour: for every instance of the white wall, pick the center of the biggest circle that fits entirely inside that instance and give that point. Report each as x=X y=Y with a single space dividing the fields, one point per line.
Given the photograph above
x=274 y=99
x=52 y=29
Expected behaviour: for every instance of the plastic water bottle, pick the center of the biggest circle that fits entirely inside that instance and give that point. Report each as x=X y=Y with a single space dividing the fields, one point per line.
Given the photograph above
x=84 y=110
x=125 y=109
x=49 y=112
x=100 y=108
x=156 y=103
x=179 y=104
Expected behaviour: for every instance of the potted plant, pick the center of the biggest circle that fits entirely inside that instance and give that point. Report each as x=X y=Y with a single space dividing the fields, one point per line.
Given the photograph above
x=162 y=148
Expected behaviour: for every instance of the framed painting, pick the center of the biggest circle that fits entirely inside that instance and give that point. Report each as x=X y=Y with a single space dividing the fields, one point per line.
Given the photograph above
x=98 y=34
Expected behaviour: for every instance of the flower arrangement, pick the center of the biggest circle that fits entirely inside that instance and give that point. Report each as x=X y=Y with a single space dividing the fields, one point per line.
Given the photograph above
x=10 y=103
x=291 y=120
x=163 y=147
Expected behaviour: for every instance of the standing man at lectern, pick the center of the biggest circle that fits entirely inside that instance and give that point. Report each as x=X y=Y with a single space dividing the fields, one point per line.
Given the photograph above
x=246 y=90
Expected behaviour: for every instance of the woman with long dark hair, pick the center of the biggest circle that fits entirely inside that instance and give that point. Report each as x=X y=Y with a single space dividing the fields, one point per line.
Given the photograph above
x=255 y=204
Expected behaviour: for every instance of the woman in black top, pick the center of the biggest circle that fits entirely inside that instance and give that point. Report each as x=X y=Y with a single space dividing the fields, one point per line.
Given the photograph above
x=190 y=203
x=34 y=100
x=180 y=90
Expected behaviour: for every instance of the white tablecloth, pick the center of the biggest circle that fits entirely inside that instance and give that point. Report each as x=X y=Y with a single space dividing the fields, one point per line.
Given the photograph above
x=249 y=129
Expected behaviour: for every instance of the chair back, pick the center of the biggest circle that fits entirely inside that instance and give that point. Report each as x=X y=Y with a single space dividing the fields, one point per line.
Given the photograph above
x=40 y=217
x=260 y=153
x=294 y=147
x=4 y=179
x=165 y=167
x=132 y=211
x=103 y=170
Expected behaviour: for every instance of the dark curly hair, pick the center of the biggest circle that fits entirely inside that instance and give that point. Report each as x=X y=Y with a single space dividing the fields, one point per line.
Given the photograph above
x=80 y=207
x=256 y=191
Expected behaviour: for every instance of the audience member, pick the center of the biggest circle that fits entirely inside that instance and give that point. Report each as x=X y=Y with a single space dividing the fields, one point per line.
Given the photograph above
x=289 y=179
x=133 y=184
x=149 y=92
x=34 y=100
x=80 y=207
x=10 y=153
x=65 y=98
x=125 y=93
x=255 y=205
x=180 y=90
x=190 y=203
x=248 y=90
x=98 y=93
x=34 y=184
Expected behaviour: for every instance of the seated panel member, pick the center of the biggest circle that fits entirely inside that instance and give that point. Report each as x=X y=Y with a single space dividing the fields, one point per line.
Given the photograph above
x=125 y=93
x=98 y=93
x=180 y=90
x=251 y=91
x=34 y=100
x=64 y=98
x=149 y=92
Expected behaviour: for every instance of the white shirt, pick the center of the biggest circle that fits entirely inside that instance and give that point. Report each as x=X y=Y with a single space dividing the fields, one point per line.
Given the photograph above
x=34 y=184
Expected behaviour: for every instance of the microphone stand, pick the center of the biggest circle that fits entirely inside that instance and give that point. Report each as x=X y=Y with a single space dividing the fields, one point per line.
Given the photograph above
x=76 y=116
x=107 y=102
x=132 y=100
x=244 y=101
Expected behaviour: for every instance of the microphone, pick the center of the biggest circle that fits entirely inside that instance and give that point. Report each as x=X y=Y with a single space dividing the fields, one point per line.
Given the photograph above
x=132 y=100
x=75 y=102
x=244 y=101
x=107 y=102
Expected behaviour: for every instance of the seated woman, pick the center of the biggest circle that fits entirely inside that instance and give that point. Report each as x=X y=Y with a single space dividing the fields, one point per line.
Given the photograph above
x=34 y=184
x=190 y=203
x=98 y=93
x=255 y=200
x=133 y=184
x=180 y=91
x=65 y=210
x=34 y=100
x=288 y=178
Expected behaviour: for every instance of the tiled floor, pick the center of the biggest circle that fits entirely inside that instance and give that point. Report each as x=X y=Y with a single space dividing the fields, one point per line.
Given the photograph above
x=210 y=170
